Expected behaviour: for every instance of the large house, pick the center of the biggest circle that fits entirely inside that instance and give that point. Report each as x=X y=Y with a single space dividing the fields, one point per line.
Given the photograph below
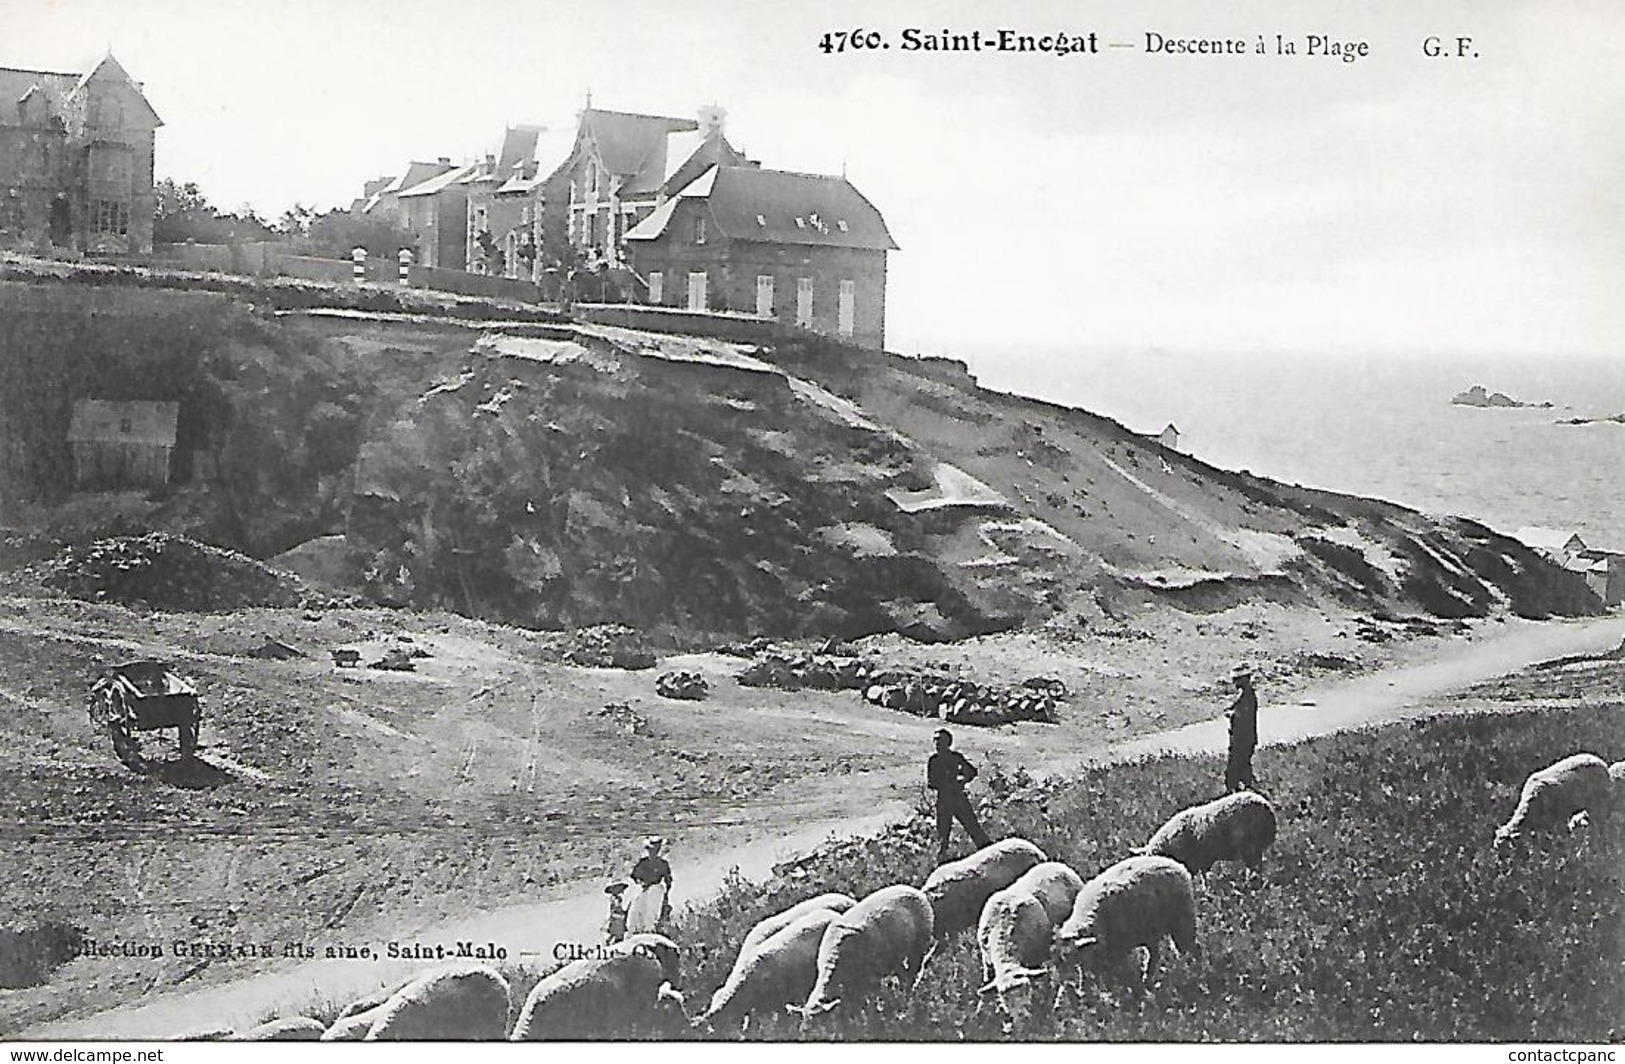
x=76 y=157
x=803 y=249
x=435 y=211
x=620 y=169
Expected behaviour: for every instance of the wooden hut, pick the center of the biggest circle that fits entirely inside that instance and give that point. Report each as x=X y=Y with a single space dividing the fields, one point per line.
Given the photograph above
x=121 y=443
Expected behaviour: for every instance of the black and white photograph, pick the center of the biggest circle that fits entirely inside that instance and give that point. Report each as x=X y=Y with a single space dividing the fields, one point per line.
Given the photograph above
x=1042 y=522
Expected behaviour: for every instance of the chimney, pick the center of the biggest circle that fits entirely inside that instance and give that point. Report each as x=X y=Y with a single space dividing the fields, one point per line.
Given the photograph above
x=444 y=160
x=712 y=119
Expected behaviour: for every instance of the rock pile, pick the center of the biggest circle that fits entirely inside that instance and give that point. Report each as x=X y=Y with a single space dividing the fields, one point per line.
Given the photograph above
x=625 y=717
x=686 y=685
x=609 y=646
x=923 y=693
x=170 y=572
x=963 y=702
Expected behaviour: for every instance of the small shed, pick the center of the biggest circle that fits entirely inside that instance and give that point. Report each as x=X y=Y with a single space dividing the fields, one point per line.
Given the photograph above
x=122 y=443
x=1169 y=437
x=1560 y=545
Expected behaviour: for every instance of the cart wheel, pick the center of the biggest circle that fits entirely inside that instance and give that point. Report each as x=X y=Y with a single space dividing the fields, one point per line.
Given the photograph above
x=124 y=745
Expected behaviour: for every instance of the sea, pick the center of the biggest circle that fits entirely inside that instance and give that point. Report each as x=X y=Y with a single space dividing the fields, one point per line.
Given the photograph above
x=1379 y=426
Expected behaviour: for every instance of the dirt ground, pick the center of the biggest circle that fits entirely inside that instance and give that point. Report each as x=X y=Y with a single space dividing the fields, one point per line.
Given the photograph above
x=350 y=806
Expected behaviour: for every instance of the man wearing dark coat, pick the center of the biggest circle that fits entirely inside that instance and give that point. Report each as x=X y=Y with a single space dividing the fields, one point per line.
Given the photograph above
x=947 y=772
x=1243 y=713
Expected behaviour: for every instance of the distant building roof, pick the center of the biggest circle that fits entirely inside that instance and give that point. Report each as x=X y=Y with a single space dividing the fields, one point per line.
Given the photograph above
x=629 y=142
x=1550 y=540
x=781 y=207
x=440 y=181
x=17 y=84
x=123 y=421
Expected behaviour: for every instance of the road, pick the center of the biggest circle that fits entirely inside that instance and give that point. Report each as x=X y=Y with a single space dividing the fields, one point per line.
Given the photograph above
x=532 y=931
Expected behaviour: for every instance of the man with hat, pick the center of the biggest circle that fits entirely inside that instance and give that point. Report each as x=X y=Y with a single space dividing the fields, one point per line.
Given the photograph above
x=1243 y=713
x=947 y=772
x=651 y=905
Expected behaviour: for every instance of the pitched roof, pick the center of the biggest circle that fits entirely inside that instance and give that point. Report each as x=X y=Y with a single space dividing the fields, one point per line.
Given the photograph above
x=111 y=68
x=104 y=421
x=781 y=207
x=440 y=181
x=627 y=143
x=695 y=157
x=1551 y=540
x=16 y=84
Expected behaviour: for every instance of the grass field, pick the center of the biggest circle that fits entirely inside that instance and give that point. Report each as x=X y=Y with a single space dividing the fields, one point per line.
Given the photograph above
x=1381 y=913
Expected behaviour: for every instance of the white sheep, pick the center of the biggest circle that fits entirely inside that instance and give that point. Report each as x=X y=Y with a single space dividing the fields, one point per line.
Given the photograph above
x=1237 y=827
x=1017 y=930
x=609 y=996
x=779 y=970
x=1135 y=902
x=887 y=933
x=1056 y=887
x=288 y=1029
x=1580 y=783
x=467 y=1003
x=958 y=890
x=772 y=925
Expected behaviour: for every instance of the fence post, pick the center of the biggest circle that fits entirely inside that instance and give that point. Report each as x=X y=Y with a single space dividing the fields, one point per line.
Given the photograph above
x=358 y=260
x=406 y=265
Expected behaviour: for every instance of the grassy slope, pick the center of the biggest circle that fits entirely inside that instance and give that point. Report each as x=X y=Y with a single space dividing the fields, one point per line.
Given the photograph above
x=1382 y=913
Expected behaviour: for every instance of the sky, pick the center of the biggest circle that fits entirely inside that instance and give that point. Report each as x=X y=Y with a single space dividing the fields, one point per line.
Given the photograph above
x=1129 y=200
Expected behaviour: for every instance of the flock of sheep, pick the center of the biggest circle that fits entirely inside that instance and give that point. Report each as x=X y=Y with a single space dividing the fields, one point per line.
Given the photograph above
x=1035 y=920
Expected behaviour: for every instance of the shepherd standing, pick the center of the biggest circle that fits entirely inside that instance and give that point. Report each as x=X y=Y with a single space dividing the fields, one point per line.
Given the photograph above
x=1243 y=713
x=947 y=772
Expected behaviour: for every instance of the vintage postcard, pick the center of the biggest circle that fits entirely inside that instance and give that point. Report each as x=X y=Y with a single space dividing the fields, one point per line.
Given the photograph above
x=1038 y=522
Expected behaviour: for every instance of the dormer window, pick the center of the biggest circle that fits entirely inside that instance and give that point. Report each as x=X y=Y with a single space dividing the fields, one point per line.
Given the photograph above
x=841 y=225
x=761 y=221
x=801 y=223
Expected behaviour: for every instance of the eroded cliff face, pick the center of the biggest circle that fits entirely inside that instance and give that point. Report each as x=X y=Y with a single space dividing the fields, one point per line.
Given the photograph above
x=706 y=489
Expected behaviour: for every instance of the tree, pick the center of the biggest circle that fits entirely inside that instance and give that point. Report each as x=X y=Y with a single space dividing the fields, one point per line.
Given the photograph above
x=338 y=232
x=182 y=212
x=296 y=221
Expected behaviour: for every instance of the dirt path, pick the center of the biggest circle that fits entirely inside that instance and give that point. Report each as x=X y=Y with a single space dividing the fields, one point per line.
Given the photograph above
x=530 y=932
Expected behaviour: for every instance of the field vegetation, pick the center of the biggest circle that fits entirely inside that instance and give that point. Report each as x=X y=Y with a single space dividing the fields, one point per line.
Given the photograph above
x=1381 y=913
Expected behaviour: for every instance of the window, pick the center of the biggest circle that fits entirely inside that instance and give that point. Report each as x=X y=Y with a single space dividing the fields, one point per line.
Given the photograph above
x=699 y=229
x=804 y=302
x=126 y=424
x=764 y=295
x=657 y=287
x=524 y=216
x=11 y=213
x=112 y=218
x=696 y=291
x=846 y=308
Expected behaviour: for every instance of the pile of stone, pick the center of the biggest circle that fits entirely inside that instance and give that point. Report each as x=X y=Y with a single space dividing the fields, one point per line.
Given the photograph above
x=609 y=646
x=680 y=684
x=791 y=671
x=963 y=702
x=932 y=692
x=170 y=572
x=626 y=718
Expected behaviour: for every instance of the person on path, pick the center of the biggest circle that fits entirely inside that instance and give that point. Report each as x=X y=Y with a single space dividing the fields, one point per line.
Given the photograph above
x=650 y=907
x=947 y=772
x=1243 y=713
x=615 y=925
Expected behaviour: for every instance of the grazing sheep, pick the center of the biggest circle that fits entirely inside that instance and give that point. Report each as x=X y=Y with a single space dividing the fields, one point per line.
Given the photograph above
x=1133 y=903
x=772 y=925
x=1579 y=783
x=886 y=933
x=370 y=1001
x=610 y=996
x=1056 y=887
x=1237 y=827
x=778 y=971
x=1017 y=931
x=467 y=1003
x=958 y=890
x=292 y=1029
x=354 y=1027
